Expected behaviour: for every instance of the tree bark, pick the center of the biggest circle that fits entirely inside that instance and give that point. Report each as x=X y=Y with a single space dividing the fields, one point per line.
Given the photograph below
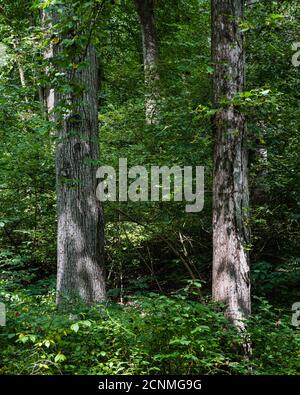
x=46 y=93
x=80 y=231
x=231 y=283
x=260 y=190
x=145 y=10
x=20 y=67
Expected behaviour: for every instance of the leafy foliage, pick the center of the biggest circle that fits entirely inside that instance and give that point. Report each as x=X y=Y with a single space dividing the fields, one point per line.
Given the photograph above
x=150 y=334
x=151 y=248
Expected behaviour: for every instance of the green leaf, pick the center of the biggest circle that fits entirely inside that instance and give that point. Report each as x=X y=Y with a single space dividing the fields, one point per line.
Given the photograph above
x=47 y=343
x=75 y=327
x=60 y=357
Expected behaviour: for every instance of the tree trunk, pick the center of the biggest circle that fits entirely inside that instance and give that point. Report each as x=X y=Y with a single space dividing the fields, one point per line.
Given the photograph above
x=46 y=93
x=20 y=67
x=261 y=189
x=80 y=239
x=145 y=10
x=231 y=283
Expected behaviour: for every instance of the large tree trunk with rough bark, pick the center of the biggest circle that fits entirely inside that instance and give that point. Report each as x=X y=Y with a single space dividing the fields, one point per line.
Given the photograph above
x=231 y=283
x=80 y=239
x=145 y=10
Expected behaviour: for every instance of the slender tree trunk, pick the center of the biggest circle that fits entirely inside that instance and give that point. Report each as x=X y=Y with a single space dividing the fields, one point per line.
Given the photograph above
x=145 y=10
x=261 y=189
x=80 y=239
x=231 y=283
x=20 y=67
x=46 y=93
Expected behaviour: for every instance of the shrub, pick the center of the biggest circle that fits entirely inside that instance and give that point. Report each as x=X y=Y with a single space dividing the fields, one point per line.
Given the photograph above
x=150 y=334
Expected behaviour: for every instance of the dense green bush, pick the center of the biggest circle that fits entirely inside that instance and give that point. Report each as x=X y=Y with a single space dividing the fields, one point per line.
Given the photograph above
x=149 y=334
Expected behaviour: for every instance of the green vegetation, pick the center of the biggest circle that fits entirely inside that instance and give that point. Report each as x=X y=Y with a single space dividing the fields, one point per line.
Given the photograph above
x=159 y=316
x=150 y=334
